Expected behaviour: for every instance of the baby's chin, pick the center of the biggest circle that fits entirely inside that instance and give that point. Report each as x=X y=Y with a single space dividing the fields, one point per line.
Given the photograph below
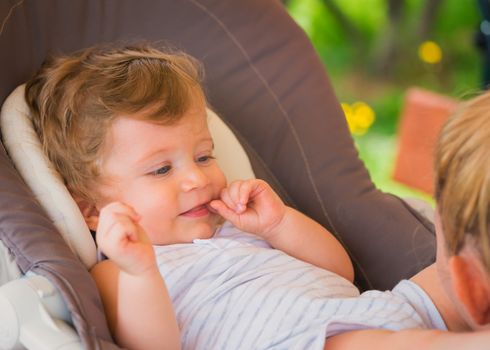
x=203 y=230
x=187 y=234
x=209 y=229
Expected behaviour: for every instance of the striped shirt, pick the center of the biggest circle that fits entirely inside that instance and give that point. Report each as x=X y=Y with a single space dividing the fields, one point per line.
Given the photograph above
x=233 y=291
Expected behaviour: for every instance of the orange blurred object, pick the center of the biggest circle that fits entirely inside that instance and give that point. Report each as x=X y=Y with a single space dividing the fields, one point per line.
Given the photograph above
x=423 y=115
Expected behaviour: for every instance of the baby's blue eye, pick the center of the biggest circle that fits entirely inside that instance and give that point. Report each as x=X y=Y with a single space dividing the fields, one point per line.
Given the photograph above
x=162 y=170
x=204 y=159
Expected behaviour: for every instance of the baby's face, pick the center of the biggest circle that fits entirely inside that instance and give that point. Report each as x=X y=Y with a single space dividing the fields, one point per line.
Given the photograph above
x=166 y=173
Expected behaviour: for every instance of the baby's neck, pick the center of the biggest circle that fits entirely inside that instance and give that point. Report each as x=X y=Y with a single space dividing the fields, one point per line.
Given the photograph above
x=428 y=280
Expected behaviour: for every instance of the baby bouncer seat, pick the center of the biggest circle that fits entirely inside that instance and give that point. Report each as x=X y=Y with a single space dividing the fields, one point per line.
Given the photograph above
x=264 y=80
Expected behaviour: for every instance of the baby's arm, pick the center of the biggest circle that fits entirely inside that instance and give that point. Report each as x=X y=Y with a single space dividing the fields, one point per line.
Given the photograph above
x=252 y=206
x=136 y=300
x=408 y=339
x=428 y=280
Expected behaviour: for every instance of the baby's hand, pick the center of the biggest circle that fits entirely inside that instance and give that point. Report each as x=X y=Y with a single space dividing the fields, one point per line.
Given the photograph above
x=123 y=240
x=252 y=206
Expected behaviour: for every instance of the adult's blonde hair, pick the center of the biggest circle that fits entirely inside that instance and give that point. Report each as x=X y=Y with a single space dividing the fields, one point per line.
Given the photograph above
x=462 y=187
x=74 y=99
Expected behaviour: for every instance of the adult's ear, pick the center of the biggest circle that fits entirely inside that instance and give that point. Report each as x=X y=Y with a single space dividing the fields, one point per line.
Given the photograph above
x=471 y=286
x=90 y=213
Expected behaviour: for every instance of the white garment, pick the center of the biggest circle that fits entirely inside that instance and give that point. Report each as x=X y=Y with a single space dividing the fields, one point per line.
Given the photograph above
x=234 y=292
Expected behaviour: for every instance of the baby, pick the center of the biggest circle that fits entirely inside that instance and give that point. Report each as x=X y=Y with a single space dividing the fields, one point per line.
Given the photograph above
x=127 y=130
x=459 y=282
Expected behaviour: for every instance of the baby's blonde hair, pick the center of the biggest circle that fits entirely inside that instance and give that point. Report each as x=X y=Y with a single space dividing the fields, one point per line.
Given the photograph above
x=462 y=166
x=74 y=99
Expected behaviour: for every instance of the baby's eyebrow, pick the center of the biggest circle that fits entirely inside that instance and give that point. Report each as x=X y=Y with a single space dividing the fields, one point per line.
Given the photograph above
x=148 y=157
x=207 y=139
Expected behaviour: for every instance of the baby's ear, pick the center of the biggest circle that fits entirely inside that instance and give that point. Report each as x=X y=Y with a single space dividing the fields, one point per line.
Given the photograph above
x=89 y=212
x=472 y=287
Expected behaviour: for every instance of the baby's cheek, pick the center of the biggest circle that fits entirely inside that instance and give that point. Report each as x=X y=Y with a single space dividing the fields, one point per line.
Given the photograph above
x=220 y=183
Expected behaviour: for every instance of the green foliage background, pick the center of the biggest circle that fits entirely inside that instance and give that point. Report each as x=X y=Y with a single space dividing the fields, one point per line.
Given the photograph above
x=352 y=65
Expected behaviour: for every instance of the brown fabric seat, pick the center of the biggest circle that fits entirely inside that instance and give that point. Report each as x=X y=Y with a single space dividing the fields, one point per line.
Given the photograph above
x=265 y=80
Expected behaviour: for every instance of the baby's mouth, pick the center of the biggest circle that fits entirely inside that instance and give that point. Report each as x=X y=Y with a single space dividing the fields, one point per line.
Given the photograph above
x=197 y=211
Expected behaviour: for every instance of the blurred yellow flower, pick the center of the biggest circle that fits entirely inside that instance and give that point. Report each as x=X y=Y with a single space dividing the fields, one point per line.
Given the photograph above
x=360 y=116
x=430 y=52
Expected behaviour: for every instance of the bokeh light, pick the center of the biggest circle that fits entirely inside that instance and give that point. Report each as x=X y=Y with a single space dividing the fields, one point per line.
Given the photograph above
x=430 y=52
x=360 y=116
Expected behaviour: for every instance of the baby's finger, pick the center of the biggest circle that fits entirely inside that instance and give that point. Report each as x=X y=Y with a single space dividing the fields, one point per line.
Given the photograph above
x=235 y=190
x=244 y=195
x=120 y=233
x=222 y=209
x=129 y=210
x=108 y=215
x=127 y=226
x=104 y=226
x=114 y=227
x=227 y=199
x=120 y=207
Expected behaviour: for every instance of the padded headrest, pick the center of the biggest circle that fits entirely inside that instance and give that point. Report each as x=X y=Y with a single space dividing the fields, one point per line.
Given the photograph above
x=25 y=150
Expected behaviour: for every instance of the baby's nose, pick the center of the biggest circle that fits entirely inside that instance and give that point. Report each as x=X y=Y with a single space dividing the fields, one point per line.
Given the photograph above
x=194 y=178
